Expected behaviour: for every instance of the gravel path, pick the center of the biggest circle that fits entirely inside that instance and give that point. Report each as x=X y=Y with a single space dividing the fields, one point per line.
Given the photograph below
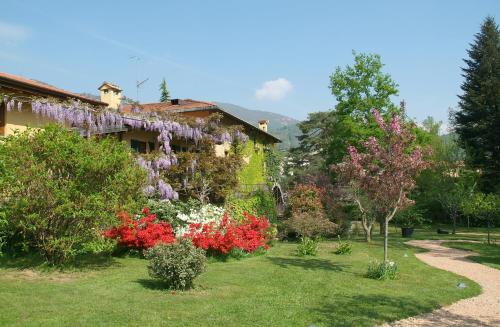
x=482 y=310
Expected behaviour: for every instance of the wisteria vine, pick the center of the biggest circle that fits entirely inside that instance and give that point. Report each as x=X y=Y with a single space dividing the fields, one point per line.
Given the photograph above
x=97 y=120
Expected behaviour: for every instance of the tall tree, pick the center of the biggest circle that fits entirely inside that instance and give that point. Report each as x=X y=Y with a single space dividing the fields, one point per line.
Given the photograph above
x=165 y=96
x=477 y=122
x=357 y=89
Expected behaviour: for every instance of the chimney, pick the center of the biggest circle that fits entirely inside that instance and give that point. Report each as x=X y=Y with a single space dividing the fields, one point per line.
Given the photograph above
x=111 y=94
x=263 y=125
x=174 y=101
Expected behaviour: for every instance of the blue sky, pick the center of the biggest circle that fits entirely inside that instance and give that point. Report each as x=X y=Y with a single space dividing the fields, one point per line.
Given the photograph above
x=269 y=55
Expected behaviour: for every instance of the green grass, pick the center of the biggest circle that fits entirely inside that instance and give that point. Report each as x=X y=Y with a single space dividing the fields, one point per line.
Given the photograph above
x=488 y=254
x=275 y=289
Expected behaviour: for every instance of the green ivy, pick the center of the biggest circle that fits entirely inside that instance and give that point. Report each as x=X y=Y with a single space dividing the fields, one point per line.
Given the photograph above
x=260 y=203
x=253 y=172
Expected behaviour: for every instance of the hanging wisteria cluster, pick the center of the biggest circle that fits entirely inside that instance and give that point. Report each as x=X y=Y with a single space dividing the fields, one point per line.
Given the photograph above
x=96 y=120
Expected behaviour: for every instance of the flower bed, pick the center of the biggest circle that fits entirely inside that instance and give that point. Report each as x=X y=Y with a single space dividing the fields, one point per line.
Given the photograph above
x=221 y=238
x=142 y=232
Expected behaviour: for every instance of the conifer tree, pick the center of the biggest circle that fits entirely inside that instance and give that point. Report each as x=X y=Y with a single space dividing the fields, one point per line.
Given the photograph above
x=165 y=96
x=477 y=122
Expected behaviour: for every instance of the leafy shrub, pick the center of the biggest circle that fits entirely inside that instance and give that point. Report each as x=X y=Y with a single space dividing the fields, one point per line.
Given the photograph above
x=410 y=217
x=305 y=198
x=176 y=264
x=142 y=232
x=382 y=271
x=307 y=246
x=221 y=238
x=260 y=203
x=101 y=245
x=169 y=210
x=58 y=188
x=309 y=224
x=343 y=247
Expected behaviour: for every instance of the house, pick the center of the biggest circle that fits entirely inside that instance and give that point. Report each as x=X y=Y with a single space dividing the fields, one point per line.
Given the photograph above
x=24 y=90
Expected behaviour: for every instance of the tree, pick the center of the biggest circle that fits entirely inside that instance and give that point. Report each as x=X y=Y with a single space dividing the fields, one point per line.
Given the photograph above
x=385 y=172
x=478 y=119
x=357 y=89
x=486 y=207
x=165 y=96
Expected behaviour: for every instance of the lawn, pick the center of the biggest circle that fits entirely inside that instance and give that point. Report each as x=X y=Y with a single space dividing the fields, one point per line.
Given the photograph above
x=487 y=254
x=275 y=289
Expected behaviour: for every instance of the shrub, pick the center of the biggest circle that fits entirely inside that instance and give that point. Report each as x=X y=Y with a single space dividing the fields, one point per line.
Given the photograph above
x=142 y=232
x=260 y=203
x=309 y=224
x=410 y=217
x=305 y=198
x=307 y=246
x=343 y=247
x=176 y=264
x=221 y=238
x=169 y=210
x=57 y=188
x=382 y=271
x=205 y=214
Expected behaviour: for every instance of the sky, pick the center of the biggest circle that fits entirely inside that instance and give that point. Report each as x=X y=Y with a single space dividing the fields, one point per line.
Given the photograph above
x=268 y=55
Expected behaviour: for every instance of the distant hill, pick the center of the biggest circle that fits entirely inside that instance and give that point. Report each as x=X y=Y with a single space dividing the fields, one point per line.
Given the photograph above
x=281 y=126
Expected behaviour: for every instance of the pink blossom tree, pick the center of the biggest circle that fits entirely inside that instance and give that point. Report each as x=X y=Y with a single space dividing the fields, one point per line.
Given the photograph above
x=380 y=177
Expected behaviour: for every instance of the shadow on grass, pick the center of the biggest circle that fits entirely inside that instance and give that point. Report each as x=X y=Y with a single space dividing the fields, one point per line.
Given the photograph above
x=153 y=284
x=367 y=310
x=37 y=262
x=308 y=264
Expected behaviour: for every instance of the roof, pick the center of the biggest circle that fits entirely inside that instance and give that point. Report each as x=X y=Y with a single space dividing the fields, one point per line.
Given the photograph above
x=37 y=87
x=110 y=85
x=189 y=105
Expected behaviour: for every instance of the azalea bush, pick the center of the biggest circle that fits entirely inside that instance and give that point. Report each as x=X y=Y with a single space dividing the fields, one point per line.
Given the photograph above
x=176 y=264
x=140 y=232
x=207 y=213
x=220 y=238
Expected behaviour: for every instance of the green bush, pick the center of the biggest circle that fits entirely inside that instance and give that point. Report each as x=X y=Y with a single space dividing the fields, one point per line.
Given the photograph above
x=309 y=225
x=176 y=264
x=260 y=203
x=168 y=210
x=382 y=271
x=307 y=246
x=59 y=189
x=343 y=247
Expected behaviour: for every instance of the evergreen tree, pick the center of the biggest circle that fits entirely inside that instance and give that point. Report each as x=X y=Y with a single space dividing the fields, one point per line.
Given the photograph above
x=477 y=122
x=165 y=96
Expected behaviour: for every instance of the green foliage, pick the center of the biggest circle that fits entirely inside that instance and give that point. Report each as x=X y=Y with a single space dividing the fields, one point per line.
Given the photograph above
x=165 y=96
x=273 y=160
x=486 y=207
x=260 y=203
x=59 y=189
x=382 y=271
x=410 y=217
x=176 y=264
x=307 y=246
x=477 y=120
x=343 y=247
x=252 y=172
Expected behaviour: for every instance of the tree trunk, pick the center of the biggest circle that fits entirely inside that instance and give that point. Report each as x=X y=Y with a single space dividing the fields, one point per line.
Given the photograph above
x=368 y=232
x=454 y=218
x=386 y=239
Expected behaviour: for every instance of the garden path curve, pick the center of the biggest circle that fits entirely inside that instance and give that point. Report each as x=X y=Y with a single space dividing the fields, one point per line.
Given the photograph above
x=482 y=310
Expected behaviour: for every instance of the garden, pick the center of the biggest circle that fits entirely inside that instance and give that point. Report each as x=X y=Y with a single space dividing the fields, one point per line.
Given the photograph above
x=92 y=233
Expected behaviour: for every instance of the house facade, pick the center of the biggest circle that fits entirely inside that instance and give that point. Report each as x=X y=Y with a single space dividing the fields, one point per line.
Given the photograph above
x=143 y=141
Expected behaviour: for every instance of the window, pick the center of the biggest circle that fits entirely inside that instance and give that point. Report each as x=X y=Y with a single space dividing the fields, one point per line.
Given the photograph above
x=105 y=91
x=138 y=146
x=151 y=146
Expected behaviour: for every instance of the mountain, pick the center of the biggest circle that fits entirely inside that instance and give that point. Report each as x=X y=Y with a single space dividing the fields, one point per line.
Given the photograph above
x=281 y=126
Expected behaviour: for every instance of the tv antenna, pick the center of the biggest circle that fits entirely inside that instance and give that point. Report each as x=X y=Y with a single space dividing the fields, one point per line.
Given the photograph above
x=138 y=83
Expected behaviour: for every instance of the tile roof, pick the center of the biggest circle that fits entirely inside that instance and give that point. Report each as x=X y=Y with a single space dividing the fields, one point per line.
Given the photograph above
x=189 y=105
x=30 y=85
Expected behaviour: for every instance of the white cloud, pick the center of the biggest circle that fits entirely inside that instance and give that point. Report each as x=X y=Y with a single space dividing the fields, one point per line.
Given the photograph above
x=274 y=90
x=11 y=34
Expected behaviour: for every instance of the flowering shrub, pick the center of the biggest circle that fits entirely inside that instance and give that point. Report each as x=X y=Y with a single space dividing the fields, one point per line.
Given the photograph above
x=306 y=198
x=206 y=214
x=142 y=232
x=221 y=238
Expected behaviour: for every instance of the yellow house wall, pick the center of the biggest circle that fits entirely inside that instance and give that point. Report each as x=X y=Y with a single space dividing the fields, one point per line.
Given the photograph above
x=143 y=136
x=20 y=121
